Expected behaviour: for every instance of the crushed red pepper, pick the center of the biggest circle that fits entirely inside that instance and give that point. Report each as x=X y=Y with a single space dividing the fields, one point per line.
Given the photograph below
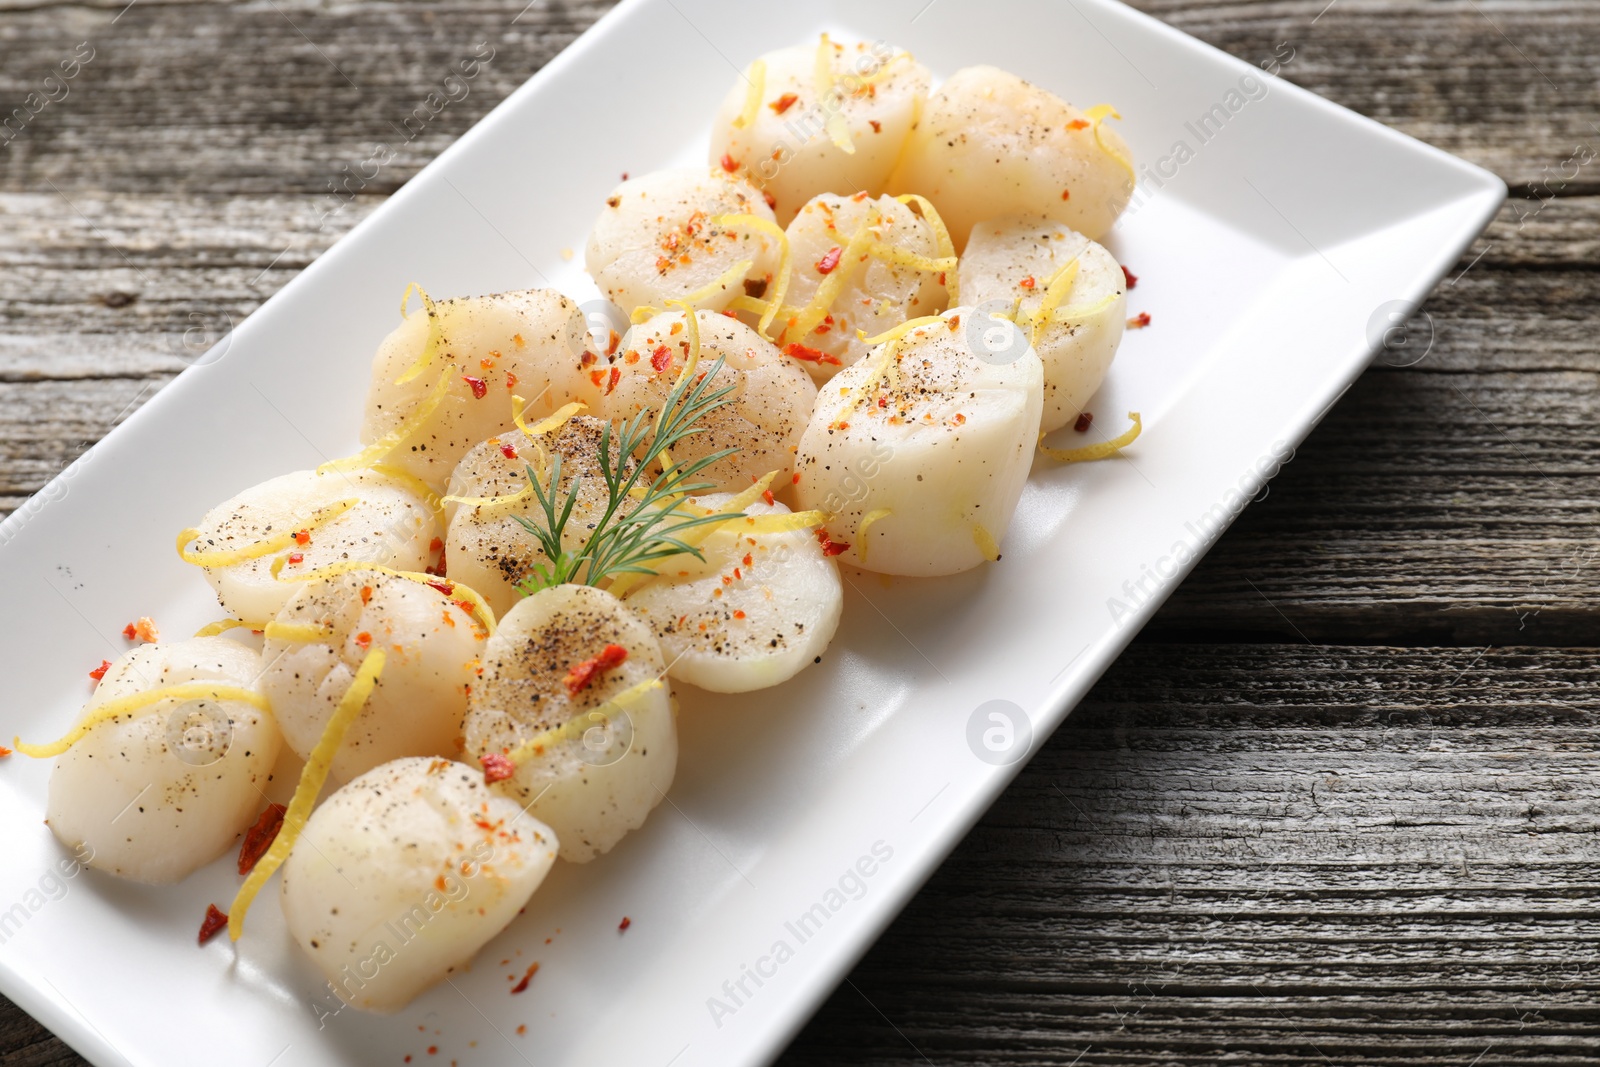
x=4 y=752
x=496 y=768
x=579 y=675
x=216 y=921
x=624 y=924
x=144 y=630
x=729 y=164
x=1078 y=124
x=479 y=387
x=533 y=969
x=1131 y=278
x=661 y=358
x=783 y=103
x=1028 y=282
x=1139 y=321
x=809 y=355
x=100 y=671
x=444 y=587
x=508 y=452
x=259 y=837
x=1084 y=421
x=830 y=547
x=829 y=260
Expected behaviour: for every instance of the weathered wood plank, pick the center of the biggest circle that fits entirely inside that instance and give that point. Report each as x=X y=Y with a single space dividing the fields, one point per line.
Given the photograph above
x=1358 y=855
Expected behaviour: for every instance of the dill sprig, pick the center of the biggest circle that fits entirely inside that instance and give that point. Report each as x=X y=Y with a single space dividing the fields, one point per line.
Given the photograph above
x=627 y=539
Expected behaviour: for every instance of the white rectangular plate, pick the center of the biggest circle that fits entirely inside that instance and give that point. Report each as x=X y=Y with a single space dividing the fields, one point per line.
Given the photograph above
x=1271 y=255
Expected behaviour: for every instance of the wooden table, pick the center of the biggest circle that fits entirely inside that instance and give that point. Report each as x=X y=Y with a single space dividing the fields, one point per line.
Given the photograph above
x=1338 y=804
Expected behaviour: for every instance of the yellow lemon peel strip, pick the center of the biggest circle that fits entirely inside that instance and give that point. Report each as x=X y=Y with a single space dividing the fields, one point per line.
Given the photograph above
x=822 y=84
x=866 y=523
x=212 y=629
x=435 y=333
x=757 y=85
x=580 y=723
x=807 y=318
x=1056 y=289
x=728 y=279
x=985 y=542
x=1099 y=451
x=392 y=440
x=484 y=613
x=134 y=703
x=299 y=632
x=773 y=300
x=312 y=778
x=941 y=233
x=228 y=557
x=1097 y=115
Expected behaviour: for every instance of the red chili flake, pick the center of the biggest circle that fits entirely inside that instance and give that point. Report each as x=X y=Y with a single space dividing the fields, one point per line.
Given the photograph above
x=771 y=200
x=296 y=558
x=612 y=342
x=624 y=175
x=435 y=545
x=588 y=359
x=144 y=629
x=511 y=381
x=215 y=922
x=829 y=260
x=729 y=164
x=302 y=537
x=438 y=568
x=1139 y=321
x=1066 y=194
x=1131 y=278
x=1078 y=124
x=877 y=127
x=259 y=837
x=960 y=419
x=616 y=376
x=508 y=452
x=496 y=767
x=748 y=559
x=1085 y=420
x=100 y=671
x=479 y=387
x=783 y=103
x=766 y=494
x=597 y=376
x=533 y=969
x=1028 y=282
x=809 y=355
x=796 y=478
x=4 y=752
x=366 y=594
x=467 y=606
x=433 y=1050
x=363 y=640
x=738 y=614
x=624 y=924
x=830 y=547
x=581 y=674
x=661 y=358
x=444 y=587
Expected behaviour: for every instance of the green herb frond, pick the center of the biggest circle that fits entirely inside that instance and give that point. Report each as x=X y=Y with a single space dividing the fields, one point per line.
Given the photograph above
x=644 y=517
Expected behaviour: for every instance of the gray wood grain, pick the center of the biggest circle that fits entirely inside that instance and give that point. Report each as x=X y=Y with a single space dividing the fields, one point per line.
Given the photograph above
x=1336 y=806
